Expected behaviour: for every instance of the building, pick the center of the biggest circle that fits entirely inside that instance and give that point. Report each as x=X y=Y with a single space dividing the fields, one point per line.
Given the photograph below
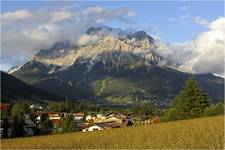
x=101 y=116
x=56 y=118
x=78 y=116
x=89 y=117
x=93 y=127
x=108 y=125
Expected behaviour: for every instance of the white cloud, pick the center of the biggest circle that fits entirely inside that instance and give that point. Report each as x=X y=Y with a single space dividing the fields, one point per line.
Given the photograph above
x=131 y=13
x=95 y=9
x=61 y=15
x=182 y=18
x=15 y=16
x=205 y=54
x=200 y=21
x=84 y=39
x=25 y=32
x=209 y=49
x=186 y=18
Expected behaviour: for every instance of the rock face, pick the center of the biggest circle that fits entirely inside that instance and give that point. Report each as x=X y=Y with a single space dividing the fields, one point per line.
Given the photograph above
x=101 y=44
x=108 y=64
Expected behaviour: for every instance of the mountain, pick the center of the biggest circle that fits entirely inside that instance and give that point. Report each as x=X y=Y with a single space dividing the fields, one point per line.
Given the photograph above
x=13 y=89
x=110 y=65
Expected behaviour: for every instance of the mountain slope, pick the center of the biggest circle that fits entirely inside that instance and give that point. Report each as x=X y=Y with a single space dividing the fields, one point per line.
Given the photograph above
x=13 y=89
x=110 y=65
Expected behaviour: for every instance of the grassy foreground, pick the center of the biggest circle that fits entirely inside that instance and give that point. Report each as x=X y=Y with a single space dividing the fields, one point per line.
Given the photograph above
x=204 y=133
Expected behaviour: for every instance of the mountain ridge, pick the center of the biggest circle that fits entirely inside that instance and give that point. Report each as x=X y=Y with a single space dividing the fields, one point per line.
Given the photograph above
x=13 y=89
x=109 y=64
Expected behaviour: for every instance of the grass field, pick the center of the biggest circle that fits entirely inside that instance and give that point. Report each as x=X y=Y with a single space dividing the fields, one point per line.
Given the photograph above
x=204 y=133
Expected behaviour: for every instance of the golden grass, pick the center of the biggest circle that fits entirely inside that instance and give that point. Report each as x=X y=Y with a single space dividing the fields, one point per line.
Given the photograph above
x=204 y=133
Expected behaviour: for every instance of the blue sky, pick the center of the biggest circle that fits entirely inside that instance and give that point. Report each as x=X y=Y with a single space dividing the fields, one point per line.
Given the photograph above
x=152 y=16
x=28 y=27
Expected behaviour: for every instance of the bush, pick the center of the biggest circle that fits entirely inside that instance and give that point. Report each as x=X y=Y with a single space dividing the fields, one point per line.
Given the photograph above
x=172 y=114
x=214 y=109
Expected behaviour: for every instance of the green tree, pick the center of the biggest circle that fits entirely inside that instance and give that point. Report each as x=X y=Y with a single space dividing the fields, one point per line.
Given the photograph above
x=18 y=126
x=4 y=114
x=214 y=109
x=53 y=106
x=68 y=124
x=144 y=109
x=190 y=103
x=19 y=109
x=45 y=122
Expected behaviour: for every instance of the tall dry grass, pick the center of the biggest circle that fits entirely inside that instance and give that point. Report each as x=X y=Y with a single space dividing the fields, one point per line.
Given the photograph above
x=204 y=133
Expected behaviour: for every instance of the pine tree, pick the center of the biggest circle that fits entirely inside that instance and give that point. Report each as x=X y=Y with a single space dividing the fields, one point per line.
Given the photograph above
x=191 y=102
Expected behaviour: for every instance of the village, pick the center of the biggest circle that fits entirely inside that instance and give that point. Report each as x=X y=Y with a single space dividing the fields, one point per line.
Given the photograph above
x=41 y=122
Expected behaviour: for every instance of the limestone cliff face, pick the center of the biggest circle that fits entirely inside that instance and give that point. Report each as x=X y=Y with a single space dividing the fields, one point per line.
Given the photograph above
x=105 y=45
x=101 y=44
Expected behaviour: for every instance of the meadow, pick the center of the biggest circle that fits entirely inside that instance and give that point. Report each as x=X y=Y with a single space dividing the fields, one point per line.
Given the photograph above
x=202 y=133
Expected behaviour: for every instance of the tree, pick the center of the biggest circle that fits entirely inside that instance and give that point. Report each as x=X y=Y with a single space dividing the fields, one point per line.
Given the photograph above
x=53 y=106
x=68 y=124
x=190 y=103
x=45 y=122
x=144 y=109
x=214 y=109
x=19 y=109
x=18 y=126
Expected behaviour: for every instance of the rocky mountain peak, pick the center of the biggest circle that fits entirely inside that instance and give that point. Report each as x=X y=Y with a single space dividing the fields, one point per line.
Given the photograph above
x=95 y=30
x=110 y=45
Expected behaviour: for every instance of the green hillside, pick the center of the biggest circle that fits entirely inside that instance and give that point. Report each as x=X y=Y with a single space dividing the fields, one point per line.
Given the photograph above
x=13 y=89
x=107 y=83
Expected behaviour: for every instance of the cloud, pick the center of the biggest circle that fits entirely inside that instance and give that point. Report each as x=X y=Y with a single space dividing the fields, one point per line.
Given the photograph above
x=84 y=39
x=200 y=21
x=15 y=16
x=208 y=56
x=61 y=15
x=27 y=31
x=205 y=54
x=99 y=14
x=131 y=13
x=186 y=18
x=185 y=7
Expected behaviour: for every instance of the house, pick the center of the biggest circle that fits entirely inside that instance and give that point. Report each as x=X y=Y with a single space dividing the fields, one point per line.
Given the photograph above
x=112 y=114
x=101 y=116
x=78 y=116
x=56 y=118
x=89 y=117
x=118 y=120
x=29 y=126
x=148 y=121
x=126 y=123
x=36 y=107
x=93 y=127
x=108 y=125
x=5 y=106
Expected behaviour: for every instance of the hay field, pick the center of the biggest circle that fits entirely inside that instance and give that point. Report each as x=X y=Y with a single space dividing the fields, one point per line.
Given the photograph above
x=203 y=133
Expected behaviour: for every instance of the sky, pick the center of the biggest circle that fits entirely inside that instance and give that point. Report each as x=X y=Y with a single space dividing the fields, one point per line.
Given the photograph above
x=27 y=27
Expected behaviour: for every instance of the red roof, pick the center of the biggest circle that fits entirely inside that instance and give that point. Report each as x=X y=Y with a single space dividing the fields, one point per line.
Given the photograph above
x=79 y=113
x=52 y=113
x=4 y=105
